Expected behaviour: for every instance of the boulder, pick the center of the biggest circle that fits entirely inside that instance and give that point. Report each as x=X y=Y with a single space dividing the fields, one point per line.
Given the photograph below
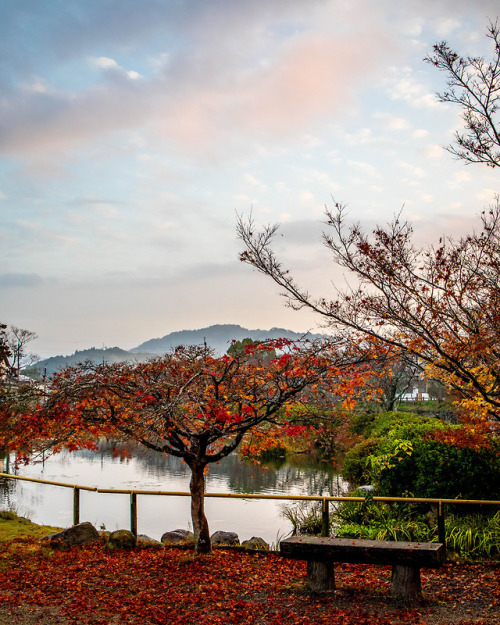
x=147 y=540
x=81 y=534
x=121 y=539
x=225 y=538
x=432 y=517
x=255 y=543
x=177 y=536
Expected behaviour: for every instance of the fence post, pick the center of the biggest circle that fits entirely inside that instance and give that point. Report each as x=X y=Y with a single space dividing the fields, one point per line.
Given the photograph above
x=76 y=505
x=441 y=528
x=133 y=513
x=325 y=518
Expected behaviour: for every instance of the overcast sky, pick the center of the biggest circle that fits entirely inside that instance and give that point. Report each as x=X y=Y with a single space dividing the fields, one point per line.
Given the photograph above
x=133 y=133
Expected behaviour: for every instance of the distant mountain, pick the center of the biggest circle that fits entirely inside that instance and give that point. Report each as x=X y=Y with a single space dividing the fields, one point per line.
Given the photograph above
x=49 y=366
x=218 y=337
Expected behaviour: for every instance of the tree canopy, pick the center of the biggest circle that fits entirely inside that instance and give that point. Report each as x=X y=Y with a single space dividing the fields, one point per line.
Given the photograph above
x=188 y=403
x=473 y=83
x=438 y=303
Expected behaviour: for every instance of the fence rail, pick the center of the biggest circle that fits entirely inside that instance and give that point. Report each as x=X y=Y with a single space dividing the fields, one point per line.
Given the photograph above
x=324 y=499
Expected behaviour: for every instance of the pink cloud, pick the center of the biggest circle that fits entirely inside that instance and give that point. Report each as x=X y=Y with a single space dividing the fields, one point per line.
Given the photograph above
x=206 y=97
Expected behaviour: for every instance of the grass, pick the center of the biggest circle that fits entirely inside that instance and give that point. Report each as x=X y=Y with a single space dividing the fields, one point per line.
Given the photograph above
x=472 y=536
x=13 y=526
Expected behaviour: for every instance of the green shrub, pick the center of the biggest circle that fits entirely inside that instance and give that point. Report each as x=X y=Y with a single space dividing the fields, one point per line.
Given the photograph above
x=471 y=536
x=436 y=469
x=362 y=423
x=388 y=423
x=8 y=515
x=355 y=468
x=401 y=459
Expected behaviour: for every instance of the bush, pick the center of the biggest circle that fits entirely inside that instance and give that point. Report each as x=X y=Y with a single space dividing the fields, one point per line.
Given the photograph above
x=355 y=468
x=305 y=517
x=408 y=455
x=436 y=469
x=362 y=423
x=402 y=423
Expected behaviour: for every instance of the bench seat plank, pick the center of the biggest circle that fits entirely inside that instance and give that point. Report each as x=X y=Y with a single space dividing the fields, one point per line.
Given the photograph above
x=359 y=551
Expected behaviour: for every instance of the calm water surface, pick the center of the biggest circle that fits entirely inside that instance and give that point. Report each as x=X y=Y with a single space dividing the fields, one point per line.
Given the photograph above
x=145 y=470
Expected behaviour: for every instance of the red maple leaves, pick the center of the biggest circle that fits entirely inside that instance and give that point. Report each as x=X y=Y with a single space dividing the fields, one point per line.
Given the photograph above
x=156 y=586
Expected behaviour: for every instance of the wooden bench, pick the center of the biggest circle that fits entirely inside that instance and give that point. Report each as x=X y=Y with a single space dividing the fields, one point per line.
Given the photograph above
x=406 y=559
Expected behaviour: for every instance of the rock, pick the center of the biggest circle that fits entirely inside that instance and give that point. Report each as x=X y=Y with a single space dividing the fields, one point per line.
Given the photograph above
x=432 y=517
x=177 y=536
x=121 y=539
x=147 y=540
x=225 y=538
x=255 y=543
x=81 y=534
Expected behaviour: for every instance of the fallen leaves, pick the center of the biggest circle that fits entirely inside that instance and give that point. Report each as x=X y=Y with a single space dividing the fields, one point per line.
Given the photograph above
x=152 y=586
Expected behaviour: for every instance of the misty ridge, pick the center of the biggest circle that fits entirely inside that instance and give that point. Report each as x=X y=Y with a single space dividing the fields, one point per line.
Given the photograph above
x=218 y=337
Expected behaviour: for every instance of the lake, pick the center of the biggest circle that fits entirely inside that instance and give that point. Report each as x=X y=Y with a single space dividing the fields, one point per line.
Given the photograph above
x=302 y=474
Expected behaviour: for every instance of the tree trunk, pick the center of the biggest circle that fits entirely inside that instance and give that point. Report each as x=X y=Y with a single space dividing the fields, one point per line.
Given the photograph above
x=200 y=523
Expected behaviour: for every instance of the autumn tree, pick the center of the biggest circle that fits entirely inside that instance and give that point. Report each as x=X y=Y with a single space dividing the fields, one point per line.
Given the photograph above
x=4 y=346
x=394 y=371
x=17 y=340
x=473 y=84
x=16 y=397
x=440 y=304
x=188 y=403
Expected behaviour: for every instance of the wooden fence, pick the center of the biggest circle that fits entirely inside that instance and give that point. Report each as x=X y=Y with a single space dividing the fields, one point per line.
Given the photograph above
x=325 y=501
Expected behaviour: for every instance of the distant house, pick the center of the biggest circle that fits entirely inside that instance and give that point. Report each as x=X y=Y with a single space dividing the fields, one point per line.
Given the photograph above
x=418 y=393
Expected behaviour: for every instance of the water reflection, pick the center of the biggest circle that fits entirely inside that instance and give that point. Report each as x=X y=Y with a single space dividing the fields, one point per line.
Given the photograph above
x=301 y=475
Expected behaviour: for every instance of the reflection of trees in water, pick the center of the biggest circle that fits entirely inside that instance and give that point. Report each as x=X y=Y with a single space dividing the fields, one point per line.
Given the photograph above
x=248 y=478
x=7 y=492
x=152 y=462
x=306 y=474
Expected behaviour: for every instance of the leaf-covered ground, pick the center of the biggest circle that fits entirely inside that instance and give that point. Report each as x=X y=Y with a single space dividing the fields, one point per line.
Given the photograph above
x=94 y=585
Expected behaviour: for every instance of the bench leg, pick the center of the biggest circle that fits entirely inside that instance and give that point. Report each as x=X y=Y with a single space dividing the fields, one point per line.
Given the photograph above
x=405 y=583
x=320 y=576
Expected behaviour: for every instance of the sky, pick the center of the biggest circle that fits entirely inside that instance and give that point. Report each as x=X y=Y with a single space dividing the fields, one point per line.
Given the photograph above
x=132 y=135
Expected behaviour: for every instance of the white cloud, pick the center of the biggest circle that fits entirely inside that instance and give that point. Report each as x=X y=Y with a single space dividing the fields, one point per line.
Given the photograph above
x=105 y=62
x=433 y=151
x=255 y=183
x=458 y=178
x=362 y=136
x=445 y=27
x=392 y=122
x=403 y=84
x=37 y=85
x=307 y=196
x=487 y=195
x=366 y=169
x=416 y=171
